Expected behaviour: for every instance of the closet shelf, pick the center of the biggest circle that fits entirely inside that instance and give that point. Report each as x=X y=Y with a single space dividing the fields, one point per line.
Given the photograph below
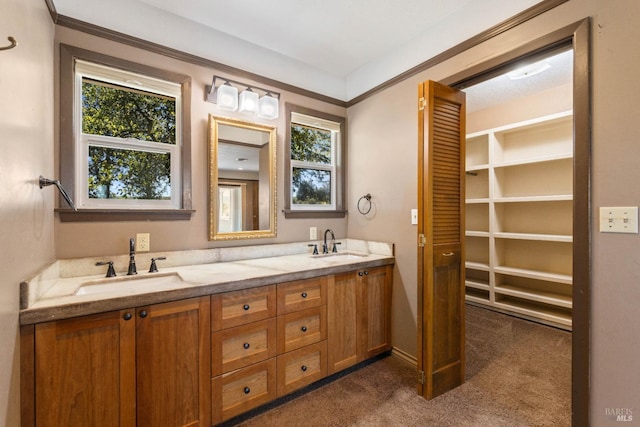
x=477 y=201
x=473 y=233
x=535 y=274
x=543 y=297
x=557 y=317
x=476 y=266
x=524 y=199
x=534 y=236
x=542 y=159
x=476 y=284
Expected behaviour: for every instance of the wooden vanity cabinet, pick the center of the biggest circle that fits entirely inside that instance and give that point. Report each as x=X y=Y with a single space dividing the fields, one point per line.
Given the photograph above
x=359 y=316
x=302 y=333
x=120 y=367
x=243 y=351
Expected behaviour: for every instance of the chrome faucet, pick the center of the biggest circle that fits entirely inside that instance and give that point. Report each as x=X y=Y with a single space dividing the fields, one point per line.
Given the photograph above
x=132 y=260
x=325 y=248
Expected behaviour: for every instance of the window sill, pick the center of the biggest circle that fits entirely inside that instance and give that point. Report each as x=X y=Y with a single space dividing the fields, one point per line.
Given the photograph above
x=95 y=215
x=288 y=213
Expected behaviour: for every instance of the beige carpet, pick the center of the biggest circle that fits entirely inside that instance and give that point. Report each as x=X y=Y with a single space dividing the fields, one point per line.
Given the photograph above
x=518 y=374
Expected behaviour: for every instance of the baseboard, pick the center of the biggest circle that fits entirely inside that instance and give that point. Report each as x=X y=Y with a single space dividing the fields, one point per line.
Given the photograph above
x=395 y=351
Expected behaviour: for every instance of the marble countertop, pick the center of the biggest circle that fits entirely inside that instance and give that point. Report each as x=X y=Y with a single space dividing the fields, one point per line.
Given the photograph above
x=57 y=292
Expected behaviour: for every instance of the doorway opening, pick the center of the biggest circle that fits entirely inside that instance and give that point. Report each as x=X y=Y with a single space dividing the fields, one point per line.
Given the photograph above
x=574 y=38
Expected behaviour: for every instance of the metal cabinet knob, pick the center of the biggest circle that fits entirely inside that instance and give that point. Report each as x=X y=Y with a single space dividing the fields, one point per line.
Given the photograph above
x=303 y=329
x=246 y=307
x=246 y=346
x=127 y=316
x=143 y=313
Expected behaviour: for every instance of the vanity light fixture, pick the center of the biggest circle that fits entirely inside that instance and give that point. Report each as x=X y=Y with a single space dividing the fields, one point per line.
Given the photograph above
x=248 y=101
x=227 y=97
x=224 y=93
x=268 y=107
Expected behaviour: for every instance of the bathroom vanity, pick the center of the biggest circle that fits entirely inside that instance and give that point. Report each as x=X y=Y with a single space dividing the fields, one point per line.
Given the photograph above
x=197 y=344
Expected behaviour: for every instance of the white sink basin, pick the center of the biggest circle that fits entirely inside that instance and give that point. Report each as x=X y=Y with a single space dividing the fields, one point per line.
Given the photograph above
x=147 y=282
x=342 y=256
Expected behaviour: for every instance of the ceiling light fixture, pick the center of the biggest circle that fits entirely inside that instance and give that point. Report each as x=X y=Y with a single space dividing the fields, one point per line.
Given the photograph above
x=224 y=93
x=529 y=70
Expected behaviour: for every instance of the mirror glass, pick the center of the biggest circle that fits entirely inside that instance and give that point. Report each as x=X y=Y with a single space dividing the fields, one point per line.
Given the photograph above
x=242 y=162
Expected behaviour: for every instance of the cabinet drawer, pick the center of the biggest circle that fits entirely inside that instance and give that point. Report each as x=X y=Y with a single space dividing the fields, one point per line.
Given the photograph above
x=241 y=307
x=241 y=390
x=296 y=330
x=301 y=367
x=302 y=294
x=243 y=345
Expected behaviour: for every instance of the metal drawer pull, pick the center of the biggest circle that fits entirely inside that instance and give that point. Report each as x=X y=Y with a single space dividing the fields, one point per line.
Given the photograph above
x=448 y=254
x=246 y=346
x=304 y=295
x=304 y=368
x=246 y=307
x=303 y=329
x=247 y=390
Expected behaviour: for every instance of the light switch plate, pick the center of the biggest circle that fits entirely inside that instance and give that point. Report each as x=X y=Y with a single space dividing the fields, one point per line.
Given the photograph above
x=619 y=219
x=313 y=233
x=414 y=216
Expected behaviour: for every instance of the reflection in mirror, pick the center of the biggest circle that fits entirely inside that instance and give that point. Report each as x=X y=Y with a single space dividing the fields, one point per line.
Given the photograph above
x=242 y=161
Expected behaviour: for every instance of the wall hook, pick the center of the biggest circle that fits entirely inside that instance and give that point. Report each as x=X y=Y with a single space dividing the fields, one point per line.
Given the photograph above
x=13 y=44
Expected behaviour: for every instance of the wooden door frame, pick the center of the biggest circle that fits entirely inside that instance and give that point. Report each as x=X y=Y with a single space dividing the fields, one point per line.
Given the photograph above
x=577 y=36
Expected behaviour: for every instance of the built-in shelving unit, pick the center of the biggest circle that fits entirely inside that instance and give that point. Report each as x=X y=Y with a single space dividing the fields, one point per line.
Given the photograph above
x=519 y=214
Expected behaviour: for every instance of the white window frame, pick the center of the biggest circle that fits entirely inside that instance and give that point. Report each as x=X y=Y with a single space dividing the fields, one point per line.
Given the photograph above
x=336 y=134
x=85 y=69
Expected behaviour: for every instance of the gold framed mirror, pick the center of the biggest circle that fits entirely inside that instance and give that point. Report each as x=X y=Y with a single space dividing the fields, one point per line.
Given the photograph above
x=242 y=179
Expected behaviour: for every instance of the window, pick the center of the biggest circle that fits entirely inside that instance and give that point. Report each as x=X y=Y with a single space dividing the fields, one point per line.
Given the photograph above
x=126 y=147
x=315 y=164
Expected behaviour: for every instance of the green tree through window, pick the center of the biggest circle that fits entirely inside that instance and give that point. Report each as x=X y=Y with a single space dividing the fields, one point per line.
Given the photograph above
x=120 y=112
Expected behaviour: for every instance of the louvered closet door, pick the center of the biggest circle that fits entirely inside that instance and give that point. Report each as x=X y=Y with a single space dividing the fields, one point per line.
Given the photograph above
x=441 y=228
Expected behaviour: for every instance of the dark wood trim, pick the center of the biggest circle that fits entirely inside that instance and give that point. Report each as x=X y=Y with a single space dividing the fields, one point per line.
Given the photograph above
x=341 y=166
x=288 y=213
x=27 y=376
x=576 y=35
x=581 y=348
x=104 y=215
x=52 y=10
x=492 y=32
x=148 y=46
x=67 y=136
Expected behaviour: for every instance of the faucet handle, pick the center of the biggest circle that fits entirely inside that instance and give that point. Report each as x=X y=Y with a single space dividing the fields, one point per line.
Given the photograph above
x=154 y=267
x=315 y=248
x=111 y=272
x=335 y=247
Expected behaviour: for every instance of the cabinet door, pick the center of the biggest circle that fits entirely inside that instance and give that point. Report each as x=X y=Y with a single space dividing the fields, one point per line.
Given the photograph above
x=173 y=360
x=342 y=322
x=85 y=371
x=374 y=293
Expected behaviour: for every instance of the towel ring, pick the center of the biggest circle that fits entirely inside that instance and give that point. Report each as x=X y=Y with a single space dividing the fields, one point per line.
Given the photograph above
x=367 y=197
x=13 y=44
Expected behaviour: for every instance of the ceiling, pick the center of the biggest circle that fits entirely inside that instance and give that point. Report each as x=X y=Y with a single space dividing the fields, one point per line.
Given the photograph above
x=337 y=48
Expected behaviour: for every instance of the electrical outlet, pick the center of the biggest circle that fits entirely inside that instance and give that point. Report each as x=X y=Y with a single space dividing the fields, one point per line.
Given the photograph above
x=143 y=242
x=313 y=233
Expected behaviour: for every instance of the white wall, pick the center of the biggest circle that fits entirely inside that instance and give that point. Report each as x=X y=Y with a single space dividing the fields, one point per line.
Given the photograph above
x=387 y=123
x=26 y=151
